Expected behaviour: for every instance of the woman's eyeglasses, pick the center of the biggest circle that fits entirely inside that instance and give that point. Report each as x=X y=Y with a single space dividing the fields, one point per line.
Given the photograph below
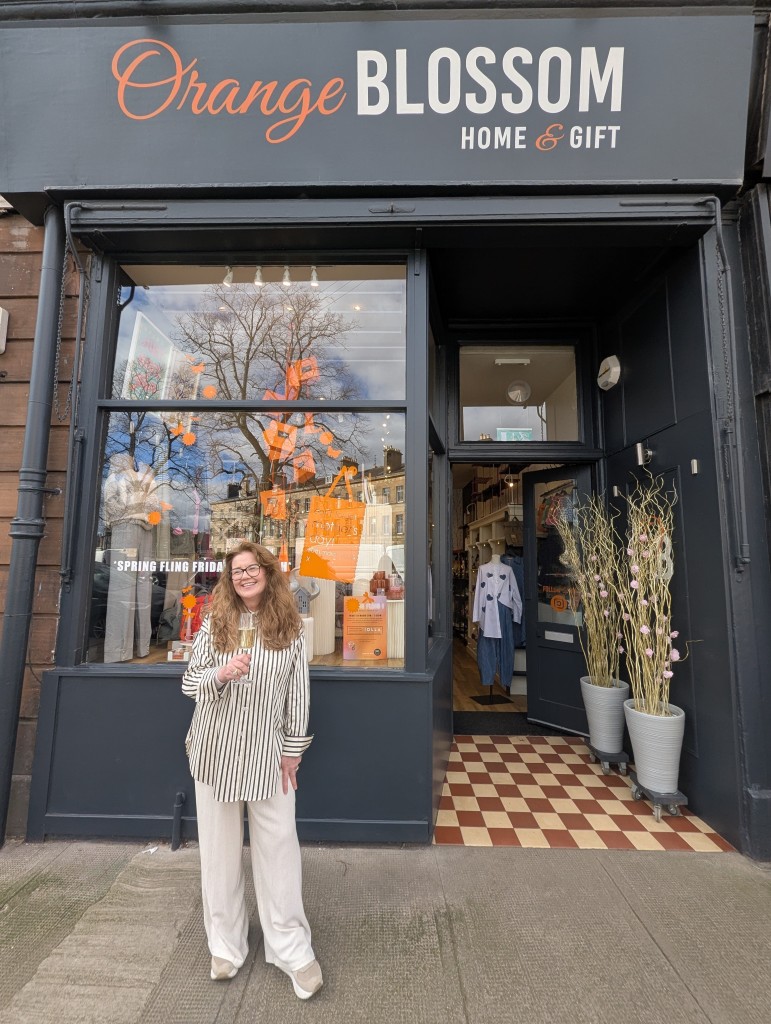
x=252 y=571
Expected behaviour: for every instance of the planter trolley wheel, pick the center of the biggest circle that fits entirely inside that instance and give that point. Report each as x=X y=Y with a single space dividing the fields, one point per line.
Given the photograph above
x=621 y=758
x=671 y=801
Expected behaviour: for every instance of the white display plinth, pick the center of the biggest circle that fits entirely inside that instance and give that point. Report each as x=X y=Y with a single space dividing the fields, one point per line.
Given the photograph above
x=323 y=611
x=395 y=617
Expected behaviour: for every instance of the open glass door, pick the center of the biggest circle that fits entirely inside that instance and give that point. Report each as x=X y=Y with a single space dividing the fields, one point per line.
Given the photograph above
x=555 y=663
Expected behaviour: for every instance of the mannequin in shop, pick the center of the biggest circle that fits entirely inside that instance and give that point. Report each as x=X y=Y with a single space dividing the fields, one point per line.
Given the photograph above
x=497 y=606
x=129 y=498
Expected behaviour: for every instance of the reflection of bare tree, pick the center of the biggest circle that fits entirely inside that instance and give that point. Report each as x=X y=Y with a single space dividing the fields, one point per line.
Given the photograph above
x=146 y=438
x=255 y=344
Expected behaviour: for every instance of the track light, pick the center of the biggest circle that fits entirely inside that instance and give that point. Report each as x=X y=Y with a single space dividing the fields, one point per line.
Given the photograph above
x=286 y=280
x=227 y=280
x=314 y=278
x=258 y=281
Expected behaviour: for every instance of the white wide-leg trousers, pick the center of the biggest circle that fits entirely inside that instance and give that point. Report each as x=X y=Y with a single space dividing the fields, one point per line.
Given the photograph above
x=277 y=871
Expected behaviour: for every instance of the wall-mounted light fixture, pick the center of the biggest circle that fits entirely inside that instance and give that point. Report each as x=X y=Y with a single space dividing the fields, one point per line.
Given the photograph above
x=644 y=455
x=286 y=279
x=227 y=280
x=314 y=278
x=3 y=328
x=258 y=281
x=518 y=392
x=512 y=361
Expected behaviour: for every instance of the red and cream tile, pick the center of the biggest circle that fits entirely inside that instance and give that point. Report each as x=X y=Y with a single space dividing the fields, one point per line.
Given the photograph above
x=544 y=792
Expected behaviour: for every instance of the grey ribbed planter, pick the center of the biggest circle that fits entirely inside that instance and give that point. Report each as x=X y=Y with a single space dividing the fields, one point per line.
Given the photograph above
x=656 y=744
x=605 y=713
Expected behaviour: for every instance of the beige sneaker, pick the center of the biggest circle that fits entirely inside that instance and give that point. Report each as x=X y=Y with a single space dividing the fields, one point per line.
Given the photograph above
x=307 y=981
x=222 y=970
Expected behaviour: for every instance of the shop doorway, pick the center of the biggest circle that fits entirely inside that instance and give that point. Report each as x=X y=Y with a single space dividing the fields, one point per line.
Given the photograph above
x=516 y=653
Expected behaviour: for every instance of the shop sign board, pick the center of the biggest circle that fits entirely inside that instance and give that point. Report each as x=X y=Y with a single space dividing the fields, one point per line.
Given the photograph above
x=422 y=101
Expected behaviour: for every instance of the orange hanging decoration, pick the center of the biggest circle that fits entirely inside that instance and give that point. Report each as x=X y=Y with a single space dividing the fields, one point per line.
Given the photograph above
x=280 y=439
x=304 y=467
x=273 y=503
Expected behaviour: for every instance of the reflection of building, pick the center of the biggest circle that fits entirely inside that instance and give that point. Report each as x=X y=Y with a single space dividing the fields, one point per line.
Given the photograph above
x=382 y=488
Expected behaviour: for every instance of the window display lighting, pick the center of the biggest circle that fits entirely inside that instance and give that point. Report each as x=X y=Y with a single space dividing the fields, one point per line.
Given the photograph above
x=286 y=280
x=258 y=281
x=227 y=280
x=314 y=278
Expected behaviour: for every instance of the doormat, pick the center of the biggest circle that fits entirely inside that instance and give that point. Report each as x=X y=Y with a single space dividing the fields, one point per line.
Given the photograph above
x=498 y=723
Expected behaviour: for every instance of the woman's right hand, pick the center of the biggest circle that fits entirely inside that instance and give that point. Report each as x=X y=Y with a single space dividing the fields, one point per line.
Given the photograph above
x=237 y=666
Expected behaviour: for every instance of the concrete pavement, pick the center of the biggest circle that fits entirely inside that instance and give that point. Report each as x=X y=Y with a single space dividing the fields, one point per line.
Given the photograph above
x=112 y=933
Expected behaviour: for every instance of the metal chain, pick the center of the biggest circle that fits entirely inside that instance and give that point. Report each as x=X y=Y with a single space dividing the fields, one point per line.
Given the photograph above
x=62 y=416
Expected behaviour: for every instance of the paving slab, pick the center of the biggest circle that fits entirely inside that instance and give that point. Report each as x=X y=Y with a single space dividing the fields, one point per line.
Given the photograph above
x=109 y=933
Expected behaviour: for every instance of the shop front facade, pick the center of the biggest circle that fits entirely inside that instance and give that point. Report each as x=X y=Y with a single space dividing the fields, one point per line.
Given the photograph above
x=336 y=264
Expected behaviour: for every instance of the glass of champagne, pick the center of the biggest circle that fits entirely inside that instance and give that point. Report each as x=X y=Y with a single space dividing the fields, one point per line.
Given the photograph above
x=247 y=632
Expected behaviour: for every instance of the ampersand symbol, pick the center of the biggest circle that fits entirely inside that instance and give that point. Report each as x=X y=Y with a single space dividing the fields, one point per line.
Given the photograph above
x=548 y=140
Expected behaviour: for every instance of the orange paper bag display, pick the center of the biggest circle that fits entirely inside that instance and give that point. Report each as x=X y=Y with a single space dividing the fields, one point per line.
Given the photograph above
x=333 y=534
x=273 y=503
x=304 y=467
x=280 y=439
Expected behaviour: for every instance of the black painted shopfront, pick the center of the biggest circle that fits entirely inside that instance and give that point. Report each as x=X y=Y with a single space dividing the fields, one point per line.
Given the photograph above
x=473 y=183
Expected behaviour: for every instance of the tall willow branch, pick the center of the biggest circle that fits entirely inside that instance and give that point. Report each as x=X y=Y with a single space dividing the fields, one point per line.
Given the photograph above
x=643 y=592
x=592 y=558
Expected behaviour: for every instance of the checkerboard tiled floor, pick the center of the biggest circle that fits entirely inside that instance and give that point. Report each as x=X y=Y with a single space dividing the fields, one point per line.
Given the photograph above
x=544 y=791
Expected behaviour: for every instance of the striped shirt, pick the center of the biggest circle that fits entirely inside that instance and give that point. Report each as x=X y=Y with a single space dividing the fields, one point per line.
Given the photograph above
x=239 y=732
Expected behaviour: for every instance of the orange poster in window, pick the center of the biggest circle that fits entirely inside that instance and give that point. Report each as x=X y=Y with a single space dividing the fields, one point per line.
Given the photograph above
x=301 y=370
x=333 y=534
x=273 y=503
x=365 y=630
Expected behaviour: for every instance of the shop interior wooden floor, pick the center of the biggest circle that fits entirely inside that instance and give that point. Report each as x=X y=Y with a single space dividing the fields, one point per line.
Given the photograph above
x=466 y=685
x=544 y=791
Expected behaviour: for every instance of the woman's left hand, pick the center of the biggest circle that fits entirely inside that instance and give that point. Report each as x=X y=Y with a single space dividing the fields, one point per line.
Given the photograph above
x=290 y=766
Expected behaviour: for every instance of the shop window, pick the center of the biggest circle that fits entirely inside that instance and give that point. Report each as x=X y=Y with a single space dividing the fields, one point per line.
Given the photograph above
x=174 y=499
x=178 y=490
x=338 y=338
x=518 y=393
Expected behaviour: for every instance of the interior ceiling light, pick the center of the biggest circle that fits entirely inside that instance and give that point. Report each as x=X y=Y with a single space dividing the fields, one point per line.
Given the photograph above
x=518 y=392
x=512 y=361
x=286 y=280
x=258 y=281
x=314 y=278
x=227 y=280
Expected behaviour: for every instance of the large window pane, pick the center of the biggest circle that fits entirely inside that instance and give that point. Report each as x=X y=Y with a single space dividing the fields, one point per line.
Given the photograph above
x=339 y=336
x=518 y=393
x=179 y=490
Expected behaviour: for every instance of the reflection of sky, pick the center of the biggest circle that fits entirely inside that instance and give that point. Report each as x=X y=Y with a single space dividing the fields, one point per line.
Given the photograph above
x=372 y=349
x=220 y=456
x=485 y=420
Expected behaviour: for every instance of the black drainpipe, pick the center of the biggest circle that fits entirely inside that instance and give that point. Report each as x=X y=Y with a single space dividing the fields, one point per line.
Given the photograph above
x=29 y=525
